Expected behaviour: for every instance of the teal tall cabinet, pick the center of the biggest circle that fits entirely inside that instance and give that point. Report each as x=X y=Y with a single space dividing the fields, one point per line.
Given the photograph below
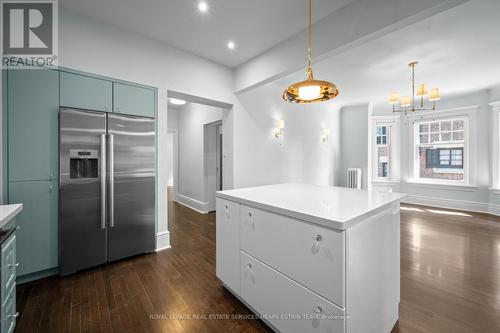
x=32 y=99
x=33 y=165
x=33 y=104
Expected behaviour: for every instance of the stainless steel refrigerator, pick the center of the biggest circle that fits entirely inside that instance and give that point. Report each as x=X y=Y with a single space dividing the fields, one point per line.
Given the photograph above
x=107 y=188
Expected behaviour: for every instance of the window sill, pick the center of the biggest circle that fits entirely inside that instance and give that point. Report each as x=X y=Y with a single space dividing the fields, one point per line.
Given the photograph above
x=444 y=186
x=494 y=190
x=385 y=182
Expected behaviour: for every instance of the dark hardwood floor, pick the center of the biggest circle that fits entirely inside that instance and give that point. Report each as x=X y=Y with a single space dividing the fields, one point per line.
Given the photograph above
x=450 y=282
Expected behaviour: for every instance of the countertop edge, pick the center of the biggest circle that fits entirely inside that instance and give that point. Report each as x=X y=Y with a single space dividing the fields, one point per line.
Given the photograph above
x=16 y=209
x=332 y=224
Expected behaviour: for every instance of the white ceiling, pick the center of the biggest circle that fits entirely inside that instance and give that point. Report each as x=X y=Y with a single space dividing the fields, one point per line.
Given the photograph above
x=458 y=51
x=254 y=25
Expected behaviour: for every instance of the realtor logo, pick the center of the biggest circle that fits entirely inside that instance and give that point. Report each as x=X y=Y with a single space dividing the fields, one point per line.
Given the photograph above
x=29 y=33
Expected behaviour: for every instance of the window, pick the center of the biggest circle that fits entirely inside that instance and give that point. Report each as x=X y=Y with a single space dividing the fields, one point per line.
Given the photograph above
x=381 y=135
x=441 y=150
x=382 y=150
x=444 y=158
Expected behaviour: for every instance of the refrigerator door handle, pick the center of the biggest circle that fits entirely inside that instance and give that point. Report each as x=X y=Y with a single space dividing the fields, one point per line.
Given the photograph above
x=103 y=181
x=111 y=180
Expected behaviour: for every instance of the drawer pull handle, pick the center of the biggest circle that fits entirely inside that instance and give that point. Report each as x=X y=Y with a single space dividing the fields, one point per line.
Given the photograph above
x=249 y=265
x=318 y=238
x=14 y=265
x=318 y=309
x=14 y=315
x=227 y=211
x=249 y=214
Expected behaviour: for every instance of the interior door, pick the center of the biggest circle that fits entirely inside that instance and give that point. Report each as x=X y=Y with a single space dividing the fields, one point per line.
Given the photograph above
x=131 y=176
x=82 y=211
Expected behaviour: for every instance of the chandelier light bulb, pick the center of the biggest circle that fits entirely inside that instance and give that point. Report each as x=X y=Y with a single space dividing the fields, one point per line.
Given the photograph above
x=434 y=95
x=422 y=90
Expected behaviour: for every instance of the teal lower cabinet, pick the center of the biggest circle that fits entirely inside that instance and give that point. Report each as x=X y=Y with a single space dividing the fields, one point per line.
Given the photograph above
x=37 y=233
x=134 y=100
x=8 y=281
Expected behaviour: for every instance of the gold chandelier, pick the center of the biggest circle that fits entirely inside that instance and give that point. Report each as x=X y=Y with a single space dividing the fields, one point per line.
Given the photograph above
x=410 y=103
x=310 y=90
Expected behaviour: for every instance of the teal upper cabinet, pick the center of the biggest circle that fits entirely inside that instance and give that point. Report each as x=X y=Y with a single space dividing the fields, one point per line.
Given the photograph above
x=33 y=136
x=37 y=236
x=85 y=92
x=134 y=100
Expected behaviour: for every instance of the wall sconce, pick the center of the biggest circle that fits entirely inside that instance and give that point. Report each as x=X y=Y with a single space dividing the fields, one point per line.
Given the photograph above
x=325 y=132
x=278 y=131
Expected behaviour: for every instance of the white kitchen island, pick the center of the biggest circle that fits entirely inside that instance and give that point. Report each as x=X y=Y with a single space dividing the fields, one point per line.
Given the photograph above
x=312 y=258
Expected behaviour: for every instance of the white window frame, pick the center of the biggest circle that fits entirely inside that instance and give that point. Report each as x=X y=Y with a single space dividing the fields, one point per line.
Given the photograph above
x=469 y=114
x=495 y=144
x=389 y=123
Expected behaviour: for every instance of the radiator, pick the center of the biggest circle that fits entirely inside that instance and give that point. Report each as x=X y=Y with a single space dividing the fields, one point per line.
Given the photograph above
x=354 y=178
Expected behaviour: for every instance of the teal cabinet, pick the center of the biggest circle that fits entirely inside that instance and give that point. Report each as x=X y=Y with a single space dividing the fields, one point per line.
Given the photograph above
x=8 y=284
x=85 y=92
x=134 y=100
x=33 y=122
x=37 y=236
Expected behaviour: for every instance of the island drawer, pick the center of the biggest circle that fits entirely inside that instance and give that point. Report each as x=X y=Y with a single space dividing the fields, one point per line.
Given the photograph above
x=309 y=254
x=285 y=304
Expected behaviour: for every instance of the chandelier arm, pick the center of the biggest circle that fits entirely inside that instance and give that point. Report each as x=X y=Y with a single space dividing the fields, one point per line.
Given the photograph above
x=413 y=87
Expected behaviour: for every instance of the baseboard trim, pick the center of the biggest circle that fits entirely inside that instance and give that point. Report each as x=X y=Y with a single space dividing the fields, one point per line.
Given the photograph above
x=201 y=207
x=37 y=275
x=469 y=206
x=162 y=241
x=494 y=209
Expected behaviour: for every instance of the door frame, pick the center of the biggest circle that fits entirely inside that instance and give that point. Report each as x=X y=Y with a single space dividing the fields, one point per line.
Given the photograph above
x=215 y=125
x=175 y=163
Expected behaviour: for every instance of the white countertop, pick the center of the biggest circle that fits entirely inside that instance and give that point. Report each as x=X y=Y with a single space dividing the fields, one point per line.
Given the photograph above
x=334 y=207
x=8 y=212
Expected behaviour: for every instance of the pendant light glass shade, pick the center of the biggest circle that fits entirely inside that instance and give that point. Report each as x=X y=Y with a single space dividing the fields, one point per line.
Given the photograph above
x=310 y=90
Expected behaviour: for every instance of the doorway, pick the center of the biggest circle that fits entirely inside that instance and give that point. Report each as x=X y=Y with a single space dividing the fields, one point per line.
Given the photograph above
x=213 y=161
x=197 y=149
x=172 y=150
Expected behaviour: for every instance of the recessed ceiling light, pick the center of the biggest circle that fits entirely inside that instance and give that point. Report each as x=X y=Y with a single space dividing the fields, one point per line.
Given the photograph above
x=202 y=6
x=176 y=101
x=231 y=45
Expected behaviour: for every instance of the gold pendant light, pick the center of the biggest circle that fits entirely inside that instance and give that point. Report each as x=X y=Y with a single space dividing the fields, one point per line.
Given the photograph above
x=310 y=90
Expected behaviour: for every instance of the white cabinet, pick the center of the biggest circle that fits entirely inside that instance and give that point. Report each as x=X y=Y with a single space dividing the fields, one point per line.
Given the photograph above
x=300 y=273
x=285 y=304
x=309 y=254
x=228 y=243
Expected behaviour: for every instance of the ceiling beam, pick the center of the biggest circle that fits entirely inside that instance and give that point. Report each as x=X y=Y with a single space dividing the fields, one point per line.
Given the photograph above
x=352 y=25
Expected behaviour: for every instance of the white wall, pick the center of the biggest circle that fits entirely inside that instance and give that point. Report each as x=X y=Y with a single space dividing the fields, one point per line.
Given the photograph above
x=300 y=156
x=95 y=47
x=192 y=120
x=353 y=142
x=173 y=118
